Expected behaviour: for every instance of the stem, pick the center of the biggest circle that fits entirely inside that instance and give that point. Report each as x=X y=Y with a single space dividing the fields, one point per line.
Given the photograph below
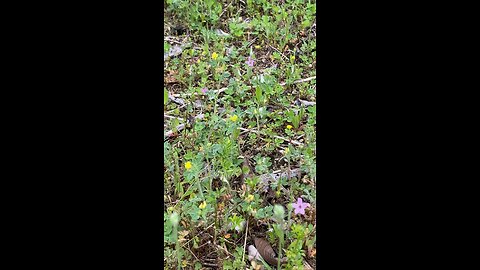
x=289 y=218
x=199 y=182
x=280 y=246
x=216 y=225
x=257 y=116
x=177 y=248
x=176 y=175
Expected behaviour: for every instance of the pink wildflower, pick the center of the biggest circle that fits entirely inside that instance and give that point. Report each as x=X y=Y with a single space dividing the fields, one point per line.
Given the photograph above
x=250 y=62
x=300 y=206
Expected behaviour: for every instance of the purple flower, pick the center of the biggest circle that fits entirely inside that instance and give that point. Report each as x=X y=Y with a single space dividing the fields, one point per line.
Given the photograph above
x=300 y=206
x=204 y=90
x=250 y=62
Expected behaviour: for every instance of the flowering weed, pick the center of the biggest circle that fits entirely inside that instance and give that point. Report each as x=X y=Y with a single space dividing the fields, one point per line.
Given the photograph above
x=236 y=127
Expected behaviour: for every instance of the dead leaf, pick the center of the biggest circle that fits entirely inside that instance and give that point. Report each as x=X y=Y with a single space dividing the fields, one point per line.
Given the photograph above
x=170 y=77
x=220 y=206
x=257 y=266
x=312 y=252
x=253 y=253
x=181 y=236
x=306 y=266
x=244 y=190
x=227 y=197
x=266 y=251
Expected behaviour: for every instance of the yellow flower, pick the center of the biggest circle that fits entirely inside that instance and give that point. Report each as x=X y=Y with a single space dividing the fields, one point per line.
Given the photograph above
x=198 y=61
x=233 y=118
x=289 y=126
x=214 y=55
x=184 y=263
x=188 y=165
x=203 y=205
x=249 y=198
x=286 y=150
x=257 y=46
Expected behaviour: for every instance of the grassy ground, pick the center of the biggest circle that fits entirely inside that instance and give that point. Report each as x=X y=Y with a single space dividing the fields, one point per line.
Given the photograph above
x=239 y=94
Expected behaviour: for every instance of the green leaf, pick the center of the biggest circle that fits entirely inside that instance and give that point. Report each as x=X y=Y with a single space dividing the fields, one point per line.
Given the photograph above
x=165 y=96
x=306 y=23
x=258 y=94
x=166 y=47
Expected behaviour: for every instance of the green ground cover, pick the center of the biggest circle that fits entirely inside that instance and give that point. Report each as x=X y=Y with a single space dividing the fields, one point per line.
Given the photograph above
x=240 y=118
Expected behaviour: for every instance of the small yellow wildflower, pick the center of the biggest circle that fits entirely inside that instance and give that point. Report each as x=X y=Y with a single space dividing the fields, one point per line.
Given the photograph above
x=184 y=263
x=214 y=55
x=203 y=205
x=198 y=61
x=257 y=46
x=188 y=165
x=249 y=198
x=286 y=150
x=289 y=126
x=233 y=118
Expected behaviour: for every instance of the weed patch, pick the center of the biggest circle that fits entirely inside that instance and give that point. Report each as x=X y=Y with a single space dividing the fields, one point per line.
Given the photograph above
x=239 y=141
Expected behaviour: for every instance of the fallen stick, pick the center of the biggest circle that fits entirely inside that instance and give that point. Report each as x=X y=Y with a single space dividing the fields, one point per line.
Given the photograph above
x=275 y=136
x=302 y=80
x=278 y=52
x=209 y=264
x=225 y=88
x=173 y=117
x=245 y=244
x=178 y=101
x=307 y=103
x=177 y=108
x=181 y=126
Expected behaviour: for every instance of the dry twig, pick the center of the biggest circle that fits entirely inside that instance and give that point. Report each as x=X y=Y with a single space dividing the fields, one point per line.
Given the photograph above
x=275 y=136
x=225 y=88
x=307 y=103
x=245 y=243
x=302 y=80
x=181 y=126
